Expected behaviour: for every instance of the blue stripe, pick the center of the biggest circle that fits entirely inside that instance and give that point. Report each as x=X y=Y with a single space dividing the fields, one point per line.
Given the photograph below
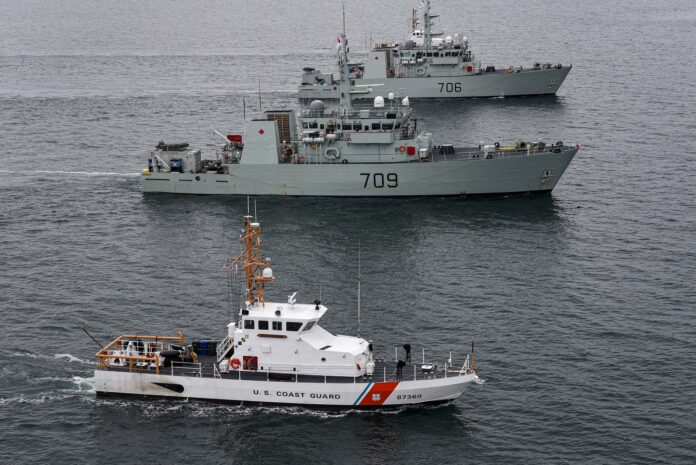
x=362 y=393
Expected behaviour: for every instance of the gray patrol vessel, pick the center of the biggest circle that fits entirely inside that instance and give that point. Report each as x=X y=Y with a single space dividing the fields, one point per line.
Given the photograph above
x=432 y=65
x=375 y=150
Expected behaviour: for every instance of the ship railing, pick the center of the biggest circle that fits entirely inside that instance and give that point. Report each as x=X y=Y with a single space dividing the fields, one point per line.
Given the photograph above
x=293 y=373
x=115 y=353
x=392 y=111
x=186 y=369
x=432 y=369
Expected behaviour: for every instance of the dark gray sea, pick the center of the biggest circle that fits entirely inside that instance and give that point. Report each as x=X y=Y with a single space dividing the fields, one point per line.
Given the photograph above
x=581 y=303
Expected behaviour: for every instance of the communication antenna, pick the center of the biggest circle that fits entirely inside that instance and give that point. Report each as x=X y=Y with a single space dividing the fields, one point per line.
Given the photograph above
x=344 y=19
x=244 y=105
x=248 y=208
x=259 y=95
x=255 y=217
x=359 y=288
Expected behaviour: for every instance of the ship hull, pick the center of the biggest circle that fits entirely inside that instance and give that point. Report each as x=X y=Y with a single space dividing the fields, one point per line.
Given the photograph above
x=536 y=172
x=363 y=394
x=494 y=84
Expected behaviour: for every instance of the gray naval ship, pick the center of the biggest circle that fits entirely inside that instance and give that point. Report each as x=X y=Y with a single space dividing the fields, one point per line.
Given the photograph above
x=433 y=65
x=374 y=150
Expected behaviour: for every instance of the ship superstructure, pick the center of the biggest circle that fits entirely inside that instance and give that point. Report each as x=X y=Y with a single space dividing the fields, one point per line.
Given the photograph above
x=433 y=65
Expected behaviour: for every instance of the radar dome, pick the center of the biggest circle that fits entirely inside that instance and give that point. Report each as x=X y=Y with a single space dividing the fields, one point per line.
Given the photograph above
x=405 y=102
x=379 y=102
x=316 y=105
x=391 y=96
x=316 y=108
x=267 y=272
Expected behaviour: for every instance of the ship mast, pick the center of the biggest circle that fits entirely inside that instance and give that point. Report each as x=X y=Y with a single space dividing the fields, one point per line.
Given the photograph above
x=413 y=20
x=257 y=271
x=427 y=39
x=344 y=69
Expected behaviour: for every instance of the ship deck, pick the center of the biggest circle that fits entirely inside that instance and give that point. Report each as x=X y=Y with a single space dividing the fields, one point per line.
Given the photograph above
x=385 y=370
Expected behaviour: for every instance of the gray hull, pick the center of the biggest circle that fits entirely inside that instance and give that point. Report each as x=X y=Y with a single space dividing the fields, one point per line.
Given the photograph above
x=499 y=175
x=499 y=83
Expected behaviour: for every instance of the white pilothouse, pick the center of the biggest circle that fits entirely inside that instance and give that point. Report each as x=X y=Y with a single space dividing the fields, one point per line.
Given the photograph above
x=275 y=353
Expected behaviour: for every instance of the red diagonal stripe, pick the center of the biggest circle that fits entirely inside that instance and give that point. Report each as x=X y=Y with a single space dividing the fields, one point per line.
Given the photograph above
x=379 y=393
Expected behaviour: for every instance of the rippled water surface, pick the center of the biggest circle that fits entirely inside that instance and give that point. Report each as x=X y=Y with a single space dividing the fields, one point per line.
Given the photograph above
x=581 y=303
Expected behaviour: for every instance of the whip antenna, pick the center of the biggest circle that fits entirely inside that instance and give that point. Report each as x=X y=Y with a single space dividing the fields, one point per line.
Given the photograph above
x=359 y=288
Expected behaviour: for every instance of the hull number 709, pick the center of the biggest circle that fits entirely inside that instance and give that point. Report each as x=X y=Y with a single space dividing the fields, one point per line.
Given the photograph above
x=380 y=180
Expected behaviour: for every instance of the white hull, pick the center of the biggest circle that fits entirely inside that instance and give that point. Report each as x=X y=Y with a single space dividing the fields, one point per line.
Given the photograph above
x=351 y=395
x=495 y=84
x=536 y=172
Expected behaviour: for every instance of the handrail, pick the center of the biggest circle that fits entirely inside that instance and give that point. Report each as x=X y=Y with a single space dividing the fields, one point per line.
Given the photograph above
x=223 y=346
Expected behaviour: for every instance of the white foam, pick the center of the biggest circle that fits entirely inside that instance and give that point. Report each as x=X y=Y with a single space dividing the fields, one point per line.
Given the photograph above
x=72 y=358
x=78 y=173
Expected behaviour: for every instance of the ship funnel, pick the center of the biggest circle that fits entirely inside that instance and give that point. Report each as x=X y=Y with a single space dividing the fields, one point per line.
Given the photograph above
x=379 y=102
x=405 y=102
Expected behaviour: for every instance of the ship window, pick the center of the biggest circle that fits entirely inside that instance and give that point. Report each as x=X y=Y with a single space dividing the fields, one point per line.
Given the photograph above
x=347 y=127
x=321 y=126
x=367 y=128
x=387 y=126
x=436 y=54
x=248 y=324
x=305 y=125
x=313 y=125
x=309 y=325
x=278 y=325
x=263 y=324
x=293 y=326
x=376 y=126
x=397 y=125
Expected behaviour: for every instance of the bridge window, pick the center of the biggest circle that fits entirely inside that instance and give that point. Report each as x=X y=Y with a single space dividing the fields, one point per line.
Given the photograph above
x=293 y=326
x=387 y=126
x=347 y=127
x=263 y=324
x=376 y=126
x=308 y=326
x=277 y=325
x=248 y=324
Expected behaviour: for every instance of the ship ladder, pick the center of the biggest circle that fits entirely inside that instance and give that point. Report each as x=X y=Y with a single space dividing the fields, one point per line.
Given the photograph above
x=223 y=348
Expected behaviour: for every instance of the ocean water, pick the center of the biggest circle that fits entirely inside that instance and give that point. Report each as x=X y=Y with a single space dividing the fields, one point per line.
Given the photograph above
x=581 y=303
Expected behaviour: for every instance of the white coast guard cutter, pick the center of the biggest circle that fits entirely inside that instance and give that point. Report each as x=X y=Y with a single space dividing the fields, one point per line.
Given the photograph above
x=276 y=353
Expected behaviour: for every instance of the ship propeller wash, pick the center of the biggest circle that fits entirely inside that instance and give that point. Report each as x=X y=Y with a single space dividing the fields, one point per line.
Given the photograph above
x=275 y=353
x=350 y=150
x=433 y=65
